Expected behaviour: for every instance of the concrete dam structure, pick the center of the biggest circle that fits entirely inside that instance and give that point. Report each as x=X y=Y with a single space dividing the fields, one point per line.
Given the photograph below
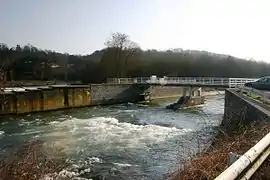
x=47 y=98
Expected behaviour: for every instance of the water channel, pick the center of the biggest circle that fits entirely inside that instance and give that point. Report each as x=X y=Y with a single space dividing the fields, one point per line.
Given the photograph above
x=127 y=141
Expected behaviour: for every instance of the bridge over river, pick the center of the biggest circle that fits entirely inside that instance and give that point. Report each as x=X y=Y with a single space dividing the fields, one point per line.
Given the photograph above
x=126 y=141
x=185 y=81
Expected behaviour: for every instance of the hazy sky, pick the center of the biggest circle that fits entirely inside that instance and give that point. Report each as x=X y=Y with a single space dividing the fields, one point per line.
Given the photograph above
x=236 y=27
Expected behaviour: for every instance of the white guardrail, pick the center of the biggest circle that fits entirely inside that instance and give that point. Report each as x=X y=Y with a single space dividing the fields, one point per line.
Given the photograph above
x=230 y=82
x=247 y=164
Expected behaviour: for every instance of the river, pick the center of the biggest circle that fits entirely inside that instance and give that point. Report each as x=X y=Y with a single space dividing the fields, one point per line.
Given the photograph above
x=126 y=141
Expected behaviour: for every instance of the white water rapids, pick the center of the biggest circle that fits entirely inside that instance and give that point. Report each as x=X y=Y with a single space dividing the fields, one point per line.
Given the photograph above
x=117 y=142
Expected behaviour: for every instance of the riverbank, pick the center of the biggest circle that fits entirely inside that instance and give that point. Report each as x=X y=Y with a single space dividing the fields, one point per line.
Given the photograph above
x=214 y=161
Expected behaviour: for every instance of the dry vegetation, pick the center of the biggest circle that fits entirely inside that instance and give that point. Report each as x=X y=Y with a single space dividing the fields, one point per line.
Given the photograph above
x=30 y=162
x=255 y=96
x=210 y=164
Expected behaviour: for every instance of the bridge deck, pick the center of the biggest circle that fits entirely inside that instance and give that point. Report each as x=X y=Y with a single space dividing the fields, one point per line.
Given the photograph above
x=187 y=84
x=185 y=81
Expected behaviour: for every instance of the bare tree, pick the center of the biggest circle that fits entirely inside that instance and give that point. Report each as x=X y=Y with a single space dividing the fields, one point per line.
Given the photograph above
x=124 y=49
x=2 y=76
x=4 y=61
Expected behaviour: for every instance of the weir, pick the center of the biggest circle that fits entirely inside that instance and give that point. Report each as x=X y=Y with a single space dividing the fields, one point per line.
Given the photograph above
x=190 y=97
x=47 y=98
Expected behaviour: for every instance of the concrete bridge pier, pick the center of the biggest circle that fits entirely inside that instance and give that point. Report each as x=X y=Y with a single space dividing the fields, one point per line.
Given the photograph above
x=192 y=96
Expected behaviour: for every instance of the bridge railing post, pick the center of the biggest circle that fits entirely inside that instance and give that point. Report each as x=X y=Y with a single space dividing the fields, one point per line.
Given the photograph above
x=230 y=82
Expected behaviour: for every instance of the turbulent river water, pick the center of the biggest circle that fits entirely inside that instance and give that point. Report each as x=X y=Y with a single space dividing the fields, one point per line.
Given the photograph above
x=127 y=141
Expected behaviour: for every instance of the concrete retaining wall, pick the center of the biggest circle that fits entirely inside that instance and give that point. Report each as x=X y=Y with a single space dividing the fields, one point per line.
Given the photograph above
x=60 y=97
x=196 y=100
x=240 y=110
x=111 y=94
x=8 y=103
x=28 y=102
x=79 y=97
x=165 y=91
x=53 y=99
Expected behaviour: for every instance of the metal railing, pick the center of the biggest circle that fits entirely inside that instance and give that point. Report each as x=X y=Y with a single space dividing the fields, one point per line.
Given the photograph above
x=248 y=163
x=230 y=82
x=239 y=82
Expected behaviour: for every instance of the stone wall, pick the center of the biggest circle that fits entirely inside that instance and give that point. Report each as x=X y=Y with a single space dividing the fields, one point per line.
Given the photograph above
x=112 y=94
x=240 y=110
x=157 y=92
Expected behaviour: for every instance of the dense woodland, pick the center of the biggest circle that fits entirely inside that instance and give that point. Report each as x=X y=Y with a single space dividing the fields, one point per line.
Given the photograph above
x=121 y=58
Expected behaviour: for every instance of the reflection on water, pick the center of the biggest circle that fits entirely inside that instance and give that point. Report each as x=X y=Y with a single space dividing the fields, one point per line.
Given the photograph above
x=125 y=141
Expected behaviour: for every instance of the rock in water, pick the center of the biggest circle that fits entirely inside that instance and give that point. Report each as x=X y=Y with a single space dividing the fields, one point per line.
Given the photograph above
x=179 y=104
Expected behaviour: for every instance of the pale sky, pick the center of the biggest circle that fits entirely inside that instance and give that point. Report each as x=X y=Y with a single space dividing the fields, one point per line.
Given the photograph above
x=237 y=27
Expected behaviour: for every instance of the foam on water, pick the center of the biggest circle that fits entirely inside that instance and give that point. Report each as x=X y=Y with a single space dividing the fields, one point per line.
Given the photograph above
x=116 y=141
x=123 y=165
x=1 y=133
x=4 y=123
x=110 y=130
x=27 y=132
x=94 y=160
x=107 y=133
x=127 y=111
x=54 y=122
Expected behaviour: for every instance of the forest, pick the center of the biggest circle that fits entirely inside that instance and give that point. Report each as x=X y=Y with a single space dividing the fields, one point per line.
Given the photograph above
x=121 y=58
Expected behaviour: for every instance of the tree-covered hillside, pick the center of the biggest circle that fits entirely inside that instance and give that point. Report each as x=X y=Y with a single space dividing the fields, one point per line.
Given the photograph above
x=121 y=58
